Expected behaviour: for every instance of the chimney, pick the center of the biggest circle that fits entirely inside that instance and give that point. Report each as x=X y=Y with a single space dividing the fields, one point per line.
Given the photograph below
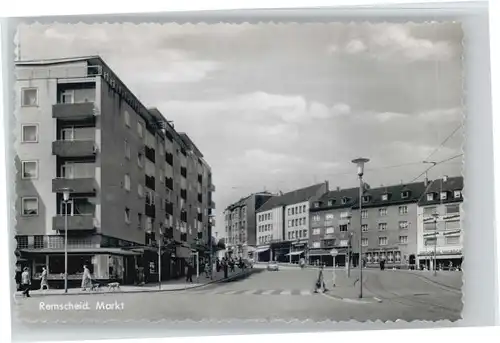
x=445 y=178
x=338 y=189
x=327 y=185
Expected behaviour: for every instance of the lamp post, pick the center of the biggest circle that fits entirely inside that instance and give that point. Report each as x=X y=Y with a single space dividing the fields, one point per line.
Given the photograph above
x=66 y=192
x=435 y=215
x=360 y=163
x=348 y=260
x=160 y=242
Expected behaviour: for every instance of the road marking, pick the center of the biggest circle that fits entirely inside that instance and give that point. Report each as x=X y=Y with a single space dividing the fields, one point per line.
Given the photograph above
x=268 y=292
x=252 y=291
x=229 y=292
x=305 y=292
x=286 y=292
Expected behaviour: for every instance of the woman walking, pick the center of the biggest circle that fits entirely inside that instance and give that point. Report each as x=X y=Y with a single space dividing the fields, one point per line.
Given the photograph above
x=86 y=279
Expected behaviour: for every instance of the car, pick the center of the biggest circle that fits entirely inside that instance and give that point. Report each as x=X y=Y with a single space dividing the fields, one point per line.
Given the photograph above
x=273 y=266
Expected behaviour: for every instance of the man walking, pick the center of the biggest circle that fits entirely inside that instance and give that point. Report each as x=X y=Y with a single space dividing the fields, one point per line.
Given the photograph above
x=26 y=282
x=43 y=280
x=189 y=273
x=320 y=282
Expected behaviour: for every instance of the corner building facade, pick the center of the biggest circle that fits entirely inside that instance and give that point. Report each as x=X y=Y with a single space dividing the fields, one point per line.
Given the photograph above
x=133 y=180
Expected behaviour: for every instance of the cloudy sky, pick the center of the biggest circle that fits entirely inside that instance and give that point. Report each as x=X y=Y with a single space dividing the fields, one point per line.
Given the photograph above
x=278 y=107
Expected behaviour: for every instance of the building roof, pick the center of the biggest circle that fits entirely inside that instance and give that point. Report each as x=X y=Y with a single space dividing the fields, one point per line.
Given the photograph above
x=395 y=195
x=242 y=201
x=350 y=194
x=293 y=197
x=58 y=60
x=449 y=185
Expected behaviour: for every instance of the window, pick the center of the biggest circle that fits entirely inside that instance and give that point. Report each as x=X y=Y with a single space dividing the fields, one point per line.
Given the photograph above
x=30 y=169
x=139 y=221
x=364 y=227
x=329 y=230
x=140 y=159
x=296 y=222
x=289 y=235
x=329 y=216
x=344 y=215
x=382 y=212
x=316 y=218
x=457 y=194
x=343 y=228
x=430 y=241
x=126 y=183
x=366 y=198
x=382 y=226
x=68 y=97
x=453 y=209
x=29 y=97
x=330 y=202
x=405 y=194
x=385 y=197
x=428 y=211
x=364 y=242
x=430 y=196
x=444 y=195
x=290 y=223
x=316 y=231
x=453 y=240
x=127 y=215
x=344 y=201
x=403 y=225
x=403 y=239
x=140 y=190
x=140 y=130
x=30 y=206
x=303 y=208
x=304 y=233
x=316 y=205
x=316 y=245
x=127 y=150
x=452 y=225
x=364 y=214
x=126 y=118
x=39 y=242
x=289 y=211
x=29 y=133
x=382 y=241
x=403 y=209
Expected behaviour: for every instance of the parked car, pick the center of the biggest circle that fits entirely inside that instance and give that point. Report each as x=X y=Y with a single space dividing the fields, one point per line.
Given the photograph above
x=273 y=266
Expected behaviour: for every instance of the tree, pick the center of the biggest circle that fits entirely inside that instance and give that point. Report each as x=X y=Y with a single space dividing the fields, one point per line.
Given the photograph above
x=221 y=244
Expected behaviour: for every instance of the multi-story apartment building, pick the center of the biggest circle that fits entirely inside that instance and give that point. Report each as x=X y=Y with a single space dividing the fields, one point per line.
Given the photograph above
x=129 y=174
x=330 y=226
x=389 y=224
x=240 y=223
x=277 y=239
x=439 y=227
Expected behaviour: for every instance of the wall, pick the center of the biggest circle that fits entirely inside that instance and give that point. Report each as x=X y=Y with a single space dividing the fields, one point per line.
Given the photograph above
x=299 y=214
x=322 y=224
x=276 y=222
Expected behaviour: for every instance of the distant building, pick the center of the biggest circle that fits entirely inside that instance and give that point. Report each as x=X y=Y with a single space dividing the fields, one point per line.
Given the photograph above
x=330 y=226
x=240 y=224
x=282 y=224
x=439 y=223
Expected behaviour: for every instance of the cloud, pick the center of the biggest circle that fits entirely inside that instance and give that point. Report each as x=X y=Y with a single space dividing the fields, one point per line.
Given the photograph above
x=388 y=116
x=355 y=47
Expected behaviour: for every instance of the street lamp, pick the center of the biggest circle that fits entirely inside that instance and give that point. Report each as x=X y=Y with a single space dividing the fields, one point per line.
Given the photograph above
x=66 y=192
x=160 y=242
x=360 y=163
x=435 y=215
x=349 y=237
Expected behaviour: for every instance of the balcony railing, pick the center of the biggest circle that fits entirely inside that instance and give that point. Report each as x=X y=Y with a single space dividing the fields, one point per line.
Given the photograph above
x=75 y=222
x=77 y=185
x=150 y=210
x=211 y=188
x=74 y=148
x=74 y=111
x=150 y=154
x=169 y=183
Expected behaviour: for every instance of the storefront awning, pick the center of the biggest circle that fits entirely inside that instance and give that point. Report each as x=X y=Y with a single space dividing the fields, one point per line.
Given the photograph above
x=261 y=249
x=111 y=251
x=294 y=253
x=319 y=252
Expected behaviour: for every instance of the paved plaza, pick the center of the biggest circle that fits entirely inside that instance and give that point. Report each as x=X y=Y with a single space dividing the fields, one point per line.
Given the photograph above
x=285 y=294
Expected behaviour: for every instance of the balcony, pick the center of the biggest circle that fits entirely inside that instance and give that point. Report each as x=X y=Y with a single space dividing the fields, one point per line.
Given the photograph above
x=211 y=188
x=184 y=171
x=75 y=222
x=75 y=111
x=77 y=185
x=169 y=208
x=150 y=154
x=200 y=197
x=212 y=205
x=71 y=148
x=183 y=194
x=200 y=217
x=150 y=182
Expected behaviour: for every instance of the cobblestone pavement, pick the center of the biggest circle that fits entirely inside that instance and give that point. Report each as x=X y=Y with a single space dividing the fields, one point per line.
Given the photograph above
x=286 y=294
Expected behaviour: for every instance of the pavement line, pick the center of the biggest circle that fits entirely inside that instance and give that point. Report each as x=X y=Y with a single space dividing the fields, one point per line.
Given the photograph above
x=286 y=292
x=249 y=292
x=229 y=292
x=268 y=292
x=305 y=292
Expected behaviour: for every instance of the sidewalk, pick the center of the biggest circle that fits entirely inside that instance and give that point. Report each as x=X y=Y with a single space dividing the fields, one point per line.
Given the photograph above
x=450 y=279
x=166 y=286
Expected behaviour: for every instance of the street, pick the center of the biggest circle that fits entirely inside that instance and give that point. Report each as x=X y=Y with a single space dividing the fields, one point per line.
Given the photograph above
x=285 y=294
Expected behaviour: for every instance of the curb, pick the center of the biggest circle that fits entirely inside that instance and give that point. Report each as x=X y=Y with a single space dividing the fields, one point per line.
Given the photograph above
x=228 y=279
x=353 y=301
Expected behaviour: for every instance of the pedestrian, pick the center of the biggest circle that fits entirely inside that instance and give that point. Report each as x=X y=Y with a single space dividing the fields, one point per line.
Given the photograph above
x=189 y=273
x=231 y=264
x=86 y=279
x=43 y=280
x=225 y=267
x=26 y=282
x=217 y=265
x=320 y=282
